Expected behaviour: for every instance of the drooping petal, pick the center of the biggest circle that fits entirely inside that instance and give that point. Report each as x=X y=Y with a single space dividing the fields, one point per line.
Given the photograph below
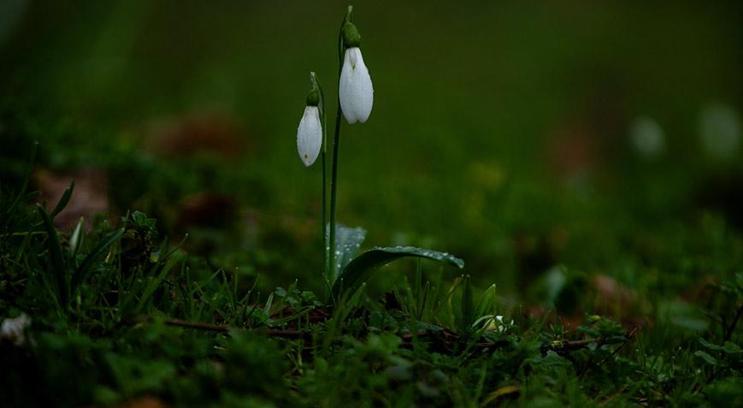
x=355 y=89
x=309 y=135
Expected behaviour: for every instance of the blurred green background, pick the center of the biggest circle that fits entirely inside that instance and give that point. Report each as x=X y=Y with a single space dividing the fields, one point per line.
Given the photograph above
x=603 y=136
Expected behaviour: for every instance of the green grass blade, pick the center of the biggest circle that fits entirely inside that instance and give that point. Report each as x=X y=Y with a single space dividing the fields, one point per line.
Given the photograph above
x=63 y=201
x=82 y=272
x=57 y=261
x=22 y=193
x=468 y=305
x=360 y=267
x=154 y=282
x=77 y=237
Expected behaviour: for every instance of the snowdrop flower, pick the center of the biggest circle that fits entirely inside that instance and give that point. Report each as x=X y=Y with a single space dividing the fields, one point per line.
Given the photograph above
x=14 y=329
x=309 y=135
x=355 y=89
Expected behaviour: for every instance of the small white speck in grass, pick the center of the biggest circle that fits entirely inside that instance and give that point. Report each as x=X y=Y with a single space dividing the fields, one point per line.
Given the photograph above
x=14 y=329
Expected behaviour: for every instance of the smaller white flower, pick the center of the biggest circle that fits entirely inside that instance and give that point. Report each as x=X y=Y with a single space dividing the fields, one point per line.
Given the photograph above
x=309 y=135
x=14 y=330
x=355 y=88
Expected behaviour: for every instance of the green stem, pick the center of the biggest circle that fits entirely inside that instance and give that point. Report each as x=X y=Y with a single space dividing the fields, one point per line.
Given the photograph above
x=334 y=193
x=324 y=217
x=336 y=142
x=323 y=157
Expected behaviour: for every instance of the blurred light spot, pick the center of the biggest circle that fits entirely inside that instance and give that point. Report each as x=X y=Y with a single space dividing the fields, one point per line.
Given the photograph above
x=488 y=176
x=719 y=129
x=647 y=137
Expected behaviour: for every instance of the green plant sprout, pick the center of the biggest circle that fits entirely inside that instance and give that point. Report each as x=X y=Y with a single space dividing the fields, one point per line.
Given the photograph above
x=69 y=274
x=343 y=269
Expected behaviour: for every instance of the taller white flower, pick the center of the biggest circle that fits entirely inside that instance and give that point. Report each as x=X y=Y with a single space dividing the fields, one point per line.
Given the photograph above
x=355 y=89
x=309 y=135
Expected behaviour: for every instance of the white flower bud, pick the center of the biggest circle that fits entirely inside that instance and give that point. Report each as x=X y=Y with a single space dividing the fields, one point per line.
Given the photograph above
x=309 y=135
x=355 y=88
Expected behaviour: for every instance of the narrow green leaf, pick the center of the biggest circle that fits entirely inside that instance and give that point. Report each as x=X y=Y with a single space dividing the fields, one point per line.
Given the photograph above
x=82 y=272
x=731 y=348
x=63 y=201
x=468 y=305
x=57 y=261
x=24 y=187
x=359 y=268
x=708 y=345
x=487 y=302
x=269 y=303
x=706 y=357
x=76 y=239
x=154 y=282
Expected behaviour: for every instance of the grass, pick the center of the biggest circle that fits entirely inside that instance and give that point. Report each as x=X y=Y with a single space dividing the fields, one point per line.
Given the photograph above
x=135 y=316
x=597 y=278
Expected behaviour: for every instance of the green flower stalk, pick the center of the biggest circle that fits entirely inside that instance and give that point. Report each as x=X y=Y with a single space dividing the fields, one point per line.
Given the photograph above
x=311 y=142
x=344 y=270
x=355 y=99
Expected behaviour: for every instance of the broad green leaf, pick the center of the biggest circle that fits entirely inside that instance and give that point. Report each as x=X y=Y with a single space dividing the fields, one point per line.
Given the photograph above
x=359 y=268
x=347 y=243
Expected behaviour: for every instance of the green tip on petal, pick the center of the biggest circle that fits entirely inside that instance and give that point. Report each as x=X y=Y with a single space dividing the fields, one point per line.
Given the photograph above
x=351 y=36
x=313 y=97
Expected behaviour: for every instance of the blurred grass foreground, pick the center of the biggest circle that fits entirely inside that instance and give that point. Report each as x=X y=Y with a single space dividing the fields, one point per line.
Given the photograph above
x=583 y=159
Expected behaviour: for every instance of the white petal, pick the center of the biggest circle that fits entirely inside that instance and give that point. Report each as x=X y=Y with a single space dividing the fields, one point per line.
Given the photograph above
x=355 y=88
x=309 y=135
